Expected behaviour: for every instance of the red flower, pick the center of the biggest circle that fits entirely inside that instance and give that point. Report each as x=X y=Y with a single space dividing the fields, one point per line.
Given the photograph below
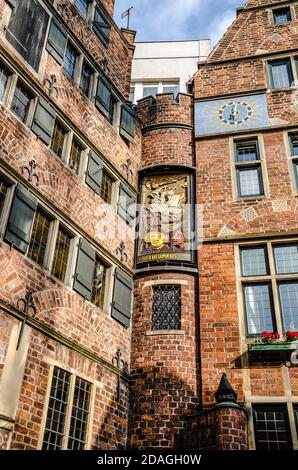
x=267 y=334
x=276 y=336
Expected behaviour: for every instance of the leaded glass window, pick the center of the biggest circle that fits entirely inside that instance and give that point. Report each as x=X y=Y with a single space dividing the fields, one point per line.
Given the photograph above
x=61 y=254
x=75 y=156
x=106 y=188
x=4 y=76
x=57 y=409
x=70 y=60
x=3 y=193
x=86 y=76
x=254 y=261
x=39 y=237
x=21 y=102
x=58 y=139
x=68 y=412
x=258 y=308
x=166 y=308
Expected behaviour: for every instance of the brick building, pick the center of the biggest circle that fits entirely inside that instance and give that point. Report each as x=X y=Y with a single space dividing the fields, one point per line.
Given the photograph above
x=188 y=370
x=243 y=151
x=69 y=155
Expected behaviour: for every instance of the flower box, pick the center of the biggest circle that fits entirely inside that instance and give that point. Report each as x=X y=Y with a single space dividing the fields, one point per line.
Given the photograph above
x=289 y=346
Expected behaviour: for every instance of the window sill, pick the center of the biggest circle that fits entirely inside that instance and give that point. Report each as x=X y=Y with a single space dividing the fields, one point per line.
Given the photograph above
x=251 y=198
x=164 y=332
x=277 y=90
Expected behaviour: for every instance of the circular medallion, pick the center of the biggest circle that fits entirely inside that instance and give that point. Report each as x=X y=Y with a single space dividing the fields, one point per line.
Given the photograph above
x=235 y=112
x=156 y=239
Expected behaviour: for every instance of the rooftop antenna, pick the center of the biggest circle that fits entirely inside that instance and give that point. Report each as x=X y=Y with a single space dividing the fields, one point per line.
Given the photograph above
x=127 y=14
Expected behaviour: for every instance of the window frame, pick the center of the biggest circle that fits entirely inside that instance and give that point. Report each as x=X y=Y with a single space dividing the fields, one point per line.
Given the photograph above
x=77 y=65
x=71 y=254
x=273 y=407
x=259 y=164
x=7 y=203
x=273 y=278
x=285 y=7
x=33 y=100
x=292 y=74
x=155 y=287
x=73 y=376
x=49 y=239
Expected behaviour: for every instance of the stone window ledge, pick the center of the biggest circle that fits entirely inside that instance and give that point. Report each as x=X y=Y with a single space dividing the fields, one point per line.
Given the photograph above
x=164 y=332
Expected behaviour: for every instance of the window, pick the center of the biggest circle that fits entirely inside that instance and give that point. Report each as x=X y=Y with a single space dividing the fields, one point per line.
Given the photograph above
x=61 y=254
x=166 y=308
x=99 y=283
x=293 y=139
x=282 y=15
x=27 y=29
x=150 y=91
x=39 y=237
x=58 y=139
x=264 y=311
x=272 y=429
x=82 y=6
x=248 y=169
x=68 y=412
x=131 y=94
x=21 y=102
x=106 y=188
x=86 y=77
x=75 y=156
x=57 y=40
x=101 y=25
x=4 y=76
x=171 y=89
x=281 y=75
x=104 y=99
x=70 y=60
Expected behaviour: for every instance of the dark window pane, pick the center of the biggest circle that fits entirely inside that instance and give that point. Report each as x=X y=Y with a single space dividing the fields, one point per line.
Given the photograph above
x=249 y=181
x=4 y=75
x=21 y=102
x=99 y=283
x=75 y=156
x=247 y=151
x=282 y=15
x=294 y=144
x=58 y=403
x=286 y=258
x=166 y=308
x=105 y=101
x=79 y=415
x=26 y=30
x=281 y=74
x=272 y=430
x=61 y=254
x=106 y=188
x=82 y=6
x=289 y=305
x=3 y=193
x=57 y=142
x=86 y=79
x=70 y=59
x=39 y=237
x=296 y=416
x=254 y=261
x=258 y=308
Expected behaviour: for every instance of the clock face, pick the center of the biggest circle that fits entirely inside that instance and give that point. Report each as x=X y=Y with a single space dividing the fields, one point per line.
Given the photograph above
x=235 y=113
x=227 y=115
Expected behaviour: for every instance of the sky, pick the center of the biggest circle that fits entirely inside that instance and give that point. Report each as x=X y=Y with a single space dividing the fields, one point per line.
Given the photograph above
x=178 y=19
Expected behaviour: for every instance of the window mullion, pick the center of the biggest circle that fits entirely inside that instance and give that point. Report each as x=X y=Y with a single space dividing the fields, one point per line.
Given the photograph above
x=275 y=293
x=69 y=411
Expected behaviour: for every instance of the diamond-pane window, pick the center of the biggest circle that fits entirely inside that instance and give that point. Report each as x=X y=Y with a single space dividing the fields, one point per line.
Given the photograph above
x=166 y=308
